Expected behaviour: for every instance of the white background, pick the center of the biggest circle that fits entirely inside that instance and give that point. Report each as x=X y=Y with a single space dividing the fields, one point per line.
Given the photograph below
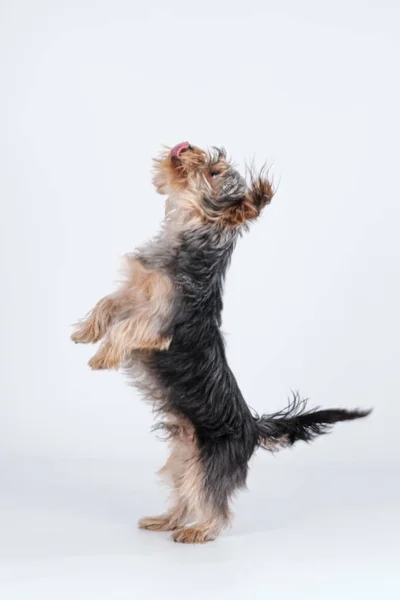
x=89 y=92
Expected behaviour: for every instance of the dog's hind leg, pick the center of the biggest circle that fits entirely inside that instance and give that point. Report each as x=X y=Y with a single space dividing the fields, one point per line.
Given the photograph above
x=213 y=476
x=173 y=473
x=209 y=517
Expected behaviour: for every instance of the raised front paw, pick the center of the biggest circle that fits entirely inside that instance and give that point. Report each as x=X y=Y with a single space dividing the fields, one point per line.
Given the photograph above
x=86 y=332
x=105 y=358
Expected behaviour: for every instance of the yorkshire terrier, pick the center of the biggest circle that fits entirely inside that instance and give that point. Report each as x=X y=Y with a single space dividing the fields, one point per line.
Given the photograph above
x=163 y=327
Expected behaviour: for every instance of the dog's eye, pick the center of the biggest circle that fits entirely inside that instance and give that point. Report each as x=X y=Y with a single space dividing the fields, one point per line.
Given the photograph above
x=214 y=173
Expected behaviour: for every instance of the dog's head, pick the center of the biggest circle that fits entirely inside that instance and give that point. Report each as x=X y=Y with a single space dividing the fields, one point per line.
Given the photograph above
x=207 y=187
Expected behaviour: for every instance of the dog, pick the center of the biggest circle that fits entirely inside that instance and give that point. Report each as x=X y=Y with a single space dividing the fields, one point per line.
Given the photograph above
x=162 y=326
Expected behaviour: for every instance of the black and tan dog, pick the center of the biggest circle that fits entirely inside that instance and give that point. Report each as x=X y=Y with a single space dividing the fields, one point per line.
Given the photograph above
x=163 y=327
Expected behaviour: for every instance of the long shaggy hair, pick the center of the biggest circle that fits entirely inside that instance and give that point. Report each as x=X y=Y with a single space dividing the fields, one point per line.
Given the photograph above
x=163 y=327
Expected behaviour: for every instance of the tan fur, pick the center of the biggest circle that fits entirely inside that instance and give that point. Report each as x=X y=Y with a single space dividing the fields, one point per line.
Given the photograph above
x=131 y=319
x=172 y=175
x=239 y=215
x=185 y=181
x=190 y=177
x=182 y=452
x=260 y=194
x=91 y=329
x=184 y=472
x=201 y=533
x=171 y=520
x=131 y=334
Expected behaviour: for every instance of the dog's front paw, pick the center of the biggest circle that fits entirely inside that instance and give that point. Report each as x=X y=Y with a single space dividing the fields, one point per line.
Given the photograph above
x=86 y=332
x=105 y=358
x=97 y=364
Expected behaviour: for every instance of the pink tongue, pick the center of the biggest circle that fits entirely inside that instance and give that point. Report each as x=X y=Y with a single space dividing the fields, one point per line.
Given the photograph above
x=176 y=150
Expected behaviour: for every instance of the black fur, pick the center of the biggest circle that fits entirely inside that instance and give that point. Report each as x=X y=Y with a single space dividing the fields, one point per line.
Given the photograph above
x=295 y=423
x=197 y=381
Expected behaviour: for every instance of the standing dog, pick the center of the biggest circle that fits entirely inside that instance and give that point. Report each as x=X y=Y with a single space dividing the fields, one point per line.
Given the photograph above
x=163 y=327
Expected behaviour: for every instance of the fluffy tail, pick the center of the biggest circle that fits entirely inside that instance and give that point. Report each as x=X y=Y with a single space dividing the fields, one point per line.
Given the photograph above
x=286 y=427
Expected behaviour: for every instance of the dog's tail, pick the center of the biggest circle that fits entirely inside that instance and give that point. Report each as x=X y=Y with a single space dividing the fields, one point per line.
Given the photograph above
x=295 y=423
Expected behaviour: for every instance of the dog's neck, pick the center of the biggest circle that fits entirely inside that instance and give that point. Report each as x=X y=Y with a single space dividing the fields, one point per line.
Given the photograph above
x=204 y=255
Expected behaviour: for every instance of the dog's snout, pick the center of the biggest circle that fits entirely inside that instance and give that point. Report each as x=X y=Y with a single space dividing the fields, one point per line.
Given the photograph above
x=179 y=148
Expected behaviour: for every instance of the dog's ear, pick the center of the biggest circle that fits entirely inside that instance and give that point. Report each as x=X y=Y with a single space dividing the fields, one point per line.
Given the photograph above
x=260 y=191
x=259 y=194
